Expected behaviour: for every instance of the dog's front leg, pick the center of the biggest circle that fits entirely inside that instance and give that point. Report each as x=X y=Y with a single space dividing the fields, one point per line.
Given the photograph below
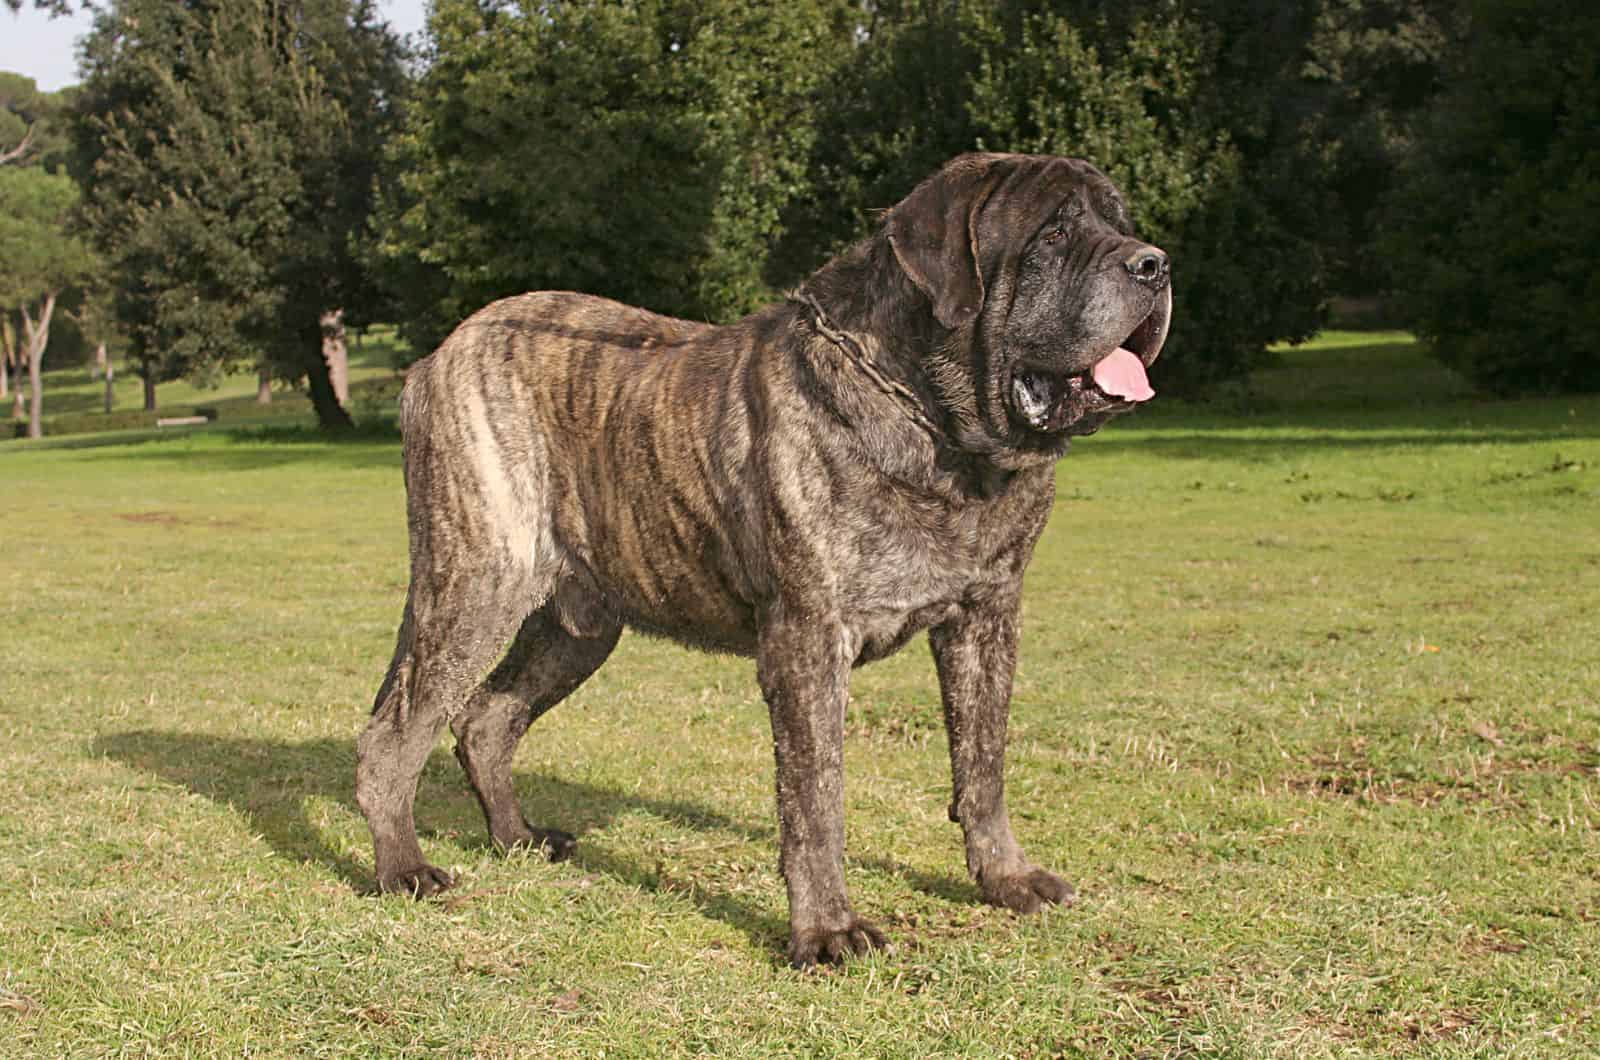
x=976 y=653
x=803 y=662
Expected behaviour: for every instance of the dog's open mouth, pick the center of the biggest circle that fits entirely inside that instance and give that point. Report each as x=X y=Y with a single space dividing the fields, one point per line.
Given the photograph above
x=1052 y=403
x=1081 y=404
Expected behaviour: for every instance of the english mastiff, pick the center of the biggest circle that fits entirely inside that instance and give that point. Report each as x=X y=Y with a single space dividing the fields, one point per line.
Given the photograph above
x=810 y=486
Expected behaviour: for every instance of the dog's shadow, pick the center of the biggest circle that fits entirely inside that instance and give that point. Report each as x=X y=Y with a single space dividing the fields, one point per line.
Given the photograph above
x=274 y=784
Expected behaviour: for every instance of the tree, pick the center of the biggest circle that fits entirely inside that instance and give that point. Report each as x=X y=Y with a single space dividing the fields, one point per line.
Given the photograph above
x=40 y=258
x=96 y=320
x=21 y=145
x=14 y=148
x=10 y=360
x=1378 y=64
x=694 y=158
x=1135 y=92
x=1202 y=111
x=33 y=129
x=644 y=150
x=1495 y=224
x=230 y=150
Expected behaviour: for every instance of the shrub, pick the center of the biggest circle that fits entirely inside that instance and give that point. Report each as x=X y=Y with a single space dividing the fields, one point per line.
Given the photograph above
x=1495 y=228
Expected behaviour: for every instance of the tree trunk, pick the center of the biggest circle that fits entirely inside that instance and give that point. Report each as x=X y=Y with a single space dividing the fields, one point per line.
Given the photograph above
x=13 y=360
x=101 y=366
x=331 y=413
x=8 y=354
x=37 y=333
x=263 y=383
x=35 y=395
x=111 y=395
x=336 y=354
x=149 y=391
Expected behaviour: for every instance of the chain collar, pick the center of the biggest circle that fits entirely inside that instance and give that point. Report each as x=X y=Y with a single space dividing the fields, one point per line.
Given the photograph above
x=857 y=354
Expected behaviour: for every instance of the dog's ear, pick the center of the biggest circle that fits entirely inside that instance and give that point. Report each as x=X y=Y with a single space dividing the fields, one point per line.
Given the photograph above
x=933 y=232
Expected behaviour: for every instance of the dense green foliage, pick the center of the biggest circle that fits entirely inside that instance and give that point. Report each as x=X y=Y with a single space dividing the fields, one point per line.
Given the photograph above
x=1180 y=104
x=640 y=150
x=38 y=250
x=1496 y=227
x=1376 y=67
x=230 y=151
x=34 y=118
x=698 y=158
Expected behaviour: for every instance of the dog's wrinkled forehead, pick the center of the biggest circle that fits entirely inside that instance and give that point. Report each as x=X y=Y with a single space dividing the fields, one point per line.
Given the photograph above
x=965 y=222
x=1030 y=192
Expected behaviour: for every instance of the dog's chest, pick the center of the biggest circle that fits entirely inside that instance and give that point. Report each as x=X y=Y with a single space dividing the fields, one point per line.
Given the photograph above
x=900 y=567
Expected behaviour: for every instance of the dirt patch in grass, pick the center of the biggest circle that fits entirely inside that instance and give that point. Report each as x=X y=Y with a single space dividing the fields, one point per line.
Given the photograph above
x=157 y=518
x=1495 y=940
x=1438 y=1026
x=1493 y=779
x=19 y=1005
x=898 y=723
x=1166 y=1000
x=174 y=520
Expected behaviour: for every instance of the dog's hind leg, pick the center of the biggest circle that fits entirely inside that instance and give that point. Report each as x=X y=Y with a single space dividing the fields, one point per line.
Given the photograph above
x=543 y=667
x=436 y=665
x=479 y=564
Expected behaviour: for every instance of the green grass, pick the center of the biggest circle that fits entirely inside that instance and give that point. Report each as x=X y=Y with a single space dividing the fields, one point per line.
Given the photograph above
x=1307 y=709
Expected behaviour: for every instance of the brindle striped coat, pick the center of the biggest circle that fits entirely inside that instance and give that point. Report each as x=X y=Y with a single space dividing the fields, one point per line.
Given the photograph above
x=574 y=466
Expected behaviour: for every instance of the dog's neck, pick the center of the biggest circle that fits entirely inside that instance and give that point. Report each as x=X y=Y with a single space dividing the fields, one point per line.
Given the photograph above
x=864 y=291
x=865 y=296
x=913 y=404
x=863 y=304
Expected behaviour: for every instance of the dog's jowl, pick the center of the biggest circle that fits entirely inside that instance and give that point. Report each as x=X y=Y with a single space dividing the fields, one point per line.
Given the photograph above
x=810 y=486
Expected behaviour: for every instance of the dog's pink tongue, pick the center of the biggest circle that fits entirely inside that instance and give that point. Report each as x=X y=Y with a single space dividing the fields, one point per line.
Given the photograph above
x=1122 y=375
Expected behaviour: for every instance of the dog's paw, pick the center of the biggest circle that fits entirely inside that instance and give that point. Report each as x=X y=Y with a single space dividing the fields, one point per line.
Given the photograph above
x=1028 y=890
x=422 y=881
x=811 y=946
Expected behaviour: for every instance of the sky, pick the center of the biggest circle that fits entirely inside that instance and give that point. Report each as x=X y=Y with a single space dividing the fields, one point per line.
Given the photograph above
x=43 y=48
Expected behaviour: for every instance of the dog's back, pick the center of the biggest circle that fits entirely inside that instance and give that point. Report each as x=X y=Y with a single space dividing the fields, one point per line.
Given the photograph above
x=527 y=429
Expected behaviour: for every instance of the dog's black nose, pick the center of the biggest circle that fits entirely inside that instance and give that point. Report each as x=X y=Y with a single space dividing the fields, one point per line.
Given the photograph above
x=1149 y=266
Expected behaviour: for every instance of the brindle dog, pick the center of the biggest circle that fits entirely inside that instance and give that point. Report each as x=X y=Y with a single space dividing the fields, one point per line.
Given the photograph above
x=810 y=486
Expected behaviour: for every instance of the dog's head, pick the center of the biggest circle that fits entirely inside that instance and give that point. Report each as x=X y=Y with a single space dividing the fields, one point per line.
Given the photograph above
x=1053 y=308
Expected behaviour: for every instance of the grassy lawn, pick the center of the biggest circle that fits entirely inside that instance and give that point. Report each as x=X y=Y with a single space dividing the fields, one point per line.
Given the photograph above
x=1317 y=737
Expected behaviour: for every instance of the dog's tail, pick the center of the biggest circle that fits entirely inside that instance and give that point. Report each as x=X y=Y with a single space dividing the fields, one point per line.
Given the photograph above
x=396 y=679
x=414 y=401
